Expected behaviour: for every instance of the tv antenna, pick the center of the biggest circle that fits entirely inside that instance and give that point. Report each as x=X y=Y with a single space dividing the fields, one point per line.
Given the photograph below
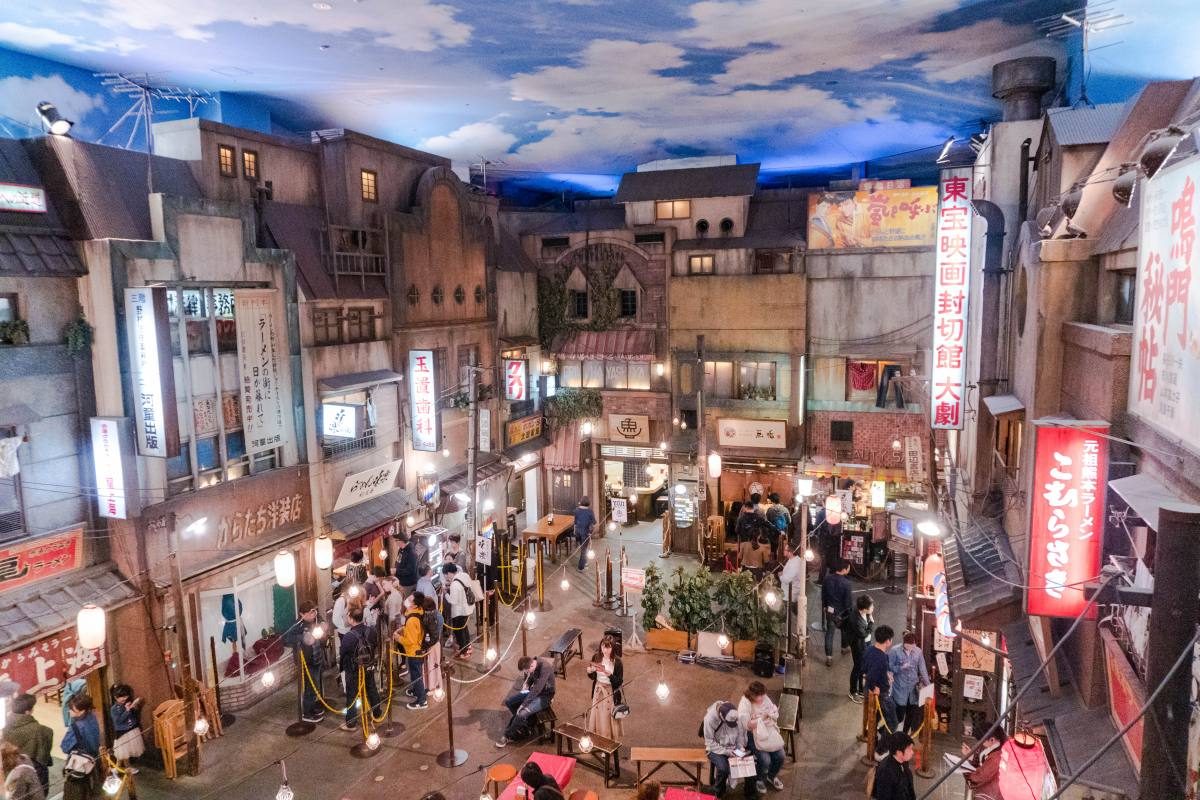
x=142 y=94
x=480 y=168
x=1087 y=20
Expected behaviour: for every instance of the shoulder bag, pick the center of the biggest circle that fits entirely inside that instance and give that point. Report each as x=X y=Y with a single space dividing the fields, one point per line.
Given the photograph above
x=80 y=763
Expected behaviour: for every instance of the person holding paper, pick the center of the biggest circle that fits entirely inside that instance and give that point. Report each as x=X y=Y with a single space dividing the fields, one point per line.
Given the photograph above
x=724 y=738
x=906 y=662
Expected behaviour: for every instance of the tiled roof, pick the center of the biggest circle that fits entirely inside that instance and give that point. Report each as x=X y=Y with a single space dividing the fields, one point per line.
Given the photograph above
x=736 y=180
x=488 y=466
x=371 y=513
x=618 y=345
x=31 y=612
x=510 y=256
x=30 y=254
x=1080 y=126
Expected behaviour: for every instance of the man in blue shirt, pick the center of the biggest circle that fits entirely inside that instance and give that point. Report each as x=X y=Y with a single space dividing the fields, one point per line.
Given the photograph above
x=585 y=522
x=877 y=673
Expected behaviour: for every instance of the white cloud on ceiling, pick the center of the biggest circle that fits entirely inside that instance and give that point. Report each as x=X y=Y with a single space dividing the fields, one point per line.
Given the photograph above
x=471 y=141
x=32 y=37
x=19 y=98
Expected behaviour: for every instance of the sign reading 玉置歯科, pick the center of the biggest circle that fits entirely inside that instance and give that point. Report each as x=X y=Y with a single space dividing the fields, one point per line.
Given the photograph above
x=423 y=400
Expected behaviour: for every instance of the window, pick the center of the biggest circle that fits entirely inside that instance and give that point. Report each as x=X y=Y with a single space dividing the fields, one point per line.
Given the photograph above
x=414 y=294
x=658 y=237
x=12 y=518
x=700 y=265
x=633 y=473
x=577 y=304
x=554 y=246
x=9 y=311
x=464 y=361
x=440 y=368
x=593 y=374
x=250 y=165
x=360 y=324
x=756 y=380
x=672 y=209
x=437 y=295
x=327 y=326
x=370 y=187
x=460 y=295
x=639 y=374
x=628 y=303
x=346 y=423
x=766 y=262
x=1008 y=441
x=841 y=432
x=616 y=375
x=718 y=379
x=570 y=374
x=1126 y=296
x=480 y=295
x=225 y=160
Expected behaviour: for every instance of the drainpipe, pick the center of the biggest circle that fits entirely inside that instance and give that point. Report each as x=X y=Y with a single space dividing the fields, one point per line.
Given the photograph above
x=1023 y=196
x=989 y=369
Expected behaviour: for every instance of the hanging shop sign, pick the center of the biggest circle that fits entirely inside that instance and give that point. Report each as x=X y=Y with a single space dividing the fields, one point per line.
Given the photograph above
x=914 y=460
x=483 y=544
x=1164 y=368
x=112 y=458
x=50 y=662
x=872 y=217
x=620 y=509
x=422 y=396
x=934 y=576
x=485 y=430
x=369 y=483
x=629 y=428
x=952 y=269
x=153 y=374
x=1125 y=698
x=516 y=379
x=23 y=198
x=1067 y=521
x=766 y=433
x=340 y=421
x=262 y=349
x=524 y=429
x=31 y=561
x=633 y=579
x=878 y=494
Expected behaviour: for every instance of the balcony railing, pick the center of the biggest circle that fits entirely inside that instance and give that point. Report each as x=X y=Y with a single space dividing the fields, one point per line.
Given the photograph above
x=357 y=263
x=335 y=448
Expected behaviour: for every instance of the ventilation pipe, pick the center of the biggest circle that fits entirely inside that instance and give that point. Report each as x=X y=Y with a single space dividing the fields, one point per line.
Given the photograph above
x=989 y=369
x=1019 y=85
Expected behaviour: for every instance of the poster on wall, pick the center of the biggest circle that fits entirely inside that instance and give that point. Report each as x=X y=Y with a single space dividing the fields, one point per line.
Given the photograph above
x=262 y=348
x=423 y=400
x=896 y=217
x=23 y=198
x=952 y=269
x=155 y=414
x=1070 y=479
x=914 y=460
x=620 y=510
x=1165 y=358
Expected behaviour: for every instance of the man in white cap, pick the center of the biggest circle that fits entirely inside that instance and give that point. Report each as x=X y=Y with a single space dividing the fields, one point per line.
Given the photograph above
x=724 y=736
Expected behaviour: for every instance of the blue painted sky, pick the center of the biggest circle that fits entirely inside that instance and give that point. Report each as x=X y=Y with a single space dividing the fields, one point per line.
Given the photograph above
x=576 y=86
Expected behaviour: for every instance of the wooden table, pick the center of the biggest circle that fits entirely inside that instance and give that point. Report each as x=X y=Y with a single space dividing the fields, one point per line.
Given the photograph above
x=688 y=760
x=561 y=768
x=546 y=531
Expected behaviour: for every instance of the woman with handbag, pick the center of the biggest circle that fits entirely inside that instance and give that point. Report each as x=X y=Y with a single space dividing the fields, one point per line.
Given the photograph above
x=81 y=773
x=608 y=705
x=760 y=717
x=126 y=713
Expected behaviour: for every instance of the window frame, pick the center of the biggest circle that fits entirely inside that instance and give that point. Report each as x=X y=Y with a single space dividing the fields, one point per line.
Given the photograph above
x=621 y=298
x=14 y=299
x=355 y=317
x=227 y=170
x=673 y=208
x=250 y=174
x=327 y=325
x=699 y=259
x=368 y=176
x=573 y=298
x=19 y=531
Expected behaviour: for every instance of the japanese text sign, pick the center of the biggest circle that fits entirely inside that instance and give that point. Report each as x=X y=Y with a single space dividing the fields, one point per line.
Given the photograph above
x=367 y=484
x=47 y=663
x=769 y=433
x=524 y=429
x=261 y=353
x=633 y=579
x=516 y=379
x=31 y=561
x=874 y=216
x=1165 y=362
x=20 y=197
x=952 y=271
x=1067 y=521
x=114 y=468
x=629 y=428
x=155 y=414
x=423 y=398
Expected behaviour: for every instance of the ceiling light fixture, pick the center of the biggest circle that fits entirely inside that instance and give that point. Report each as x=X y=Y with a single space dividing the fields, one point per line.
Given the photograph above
x=55 y=122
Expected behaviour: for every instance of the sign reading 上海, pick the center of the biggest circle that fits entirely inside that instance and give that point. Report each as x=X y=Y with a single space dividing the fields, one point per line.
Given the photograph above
x=367 y=484
x=952 y=269
x=524 y=429
x=516 y=379
x=49 y=663
x=1165 y=358
x=108 y=456
x=261 y=351
x=339 y=421
x=21 y=197
x=422 y=396
x=769 y=433
x=629 y=428
x=1070 y=478
x=31 y=561
x=155 y=414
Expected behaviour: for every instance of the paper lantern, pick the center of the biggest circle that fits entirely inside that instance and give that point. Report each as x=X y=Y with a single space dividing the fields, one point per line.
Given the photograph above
x=285 y=568
x=714 y=465
x=323 y=552
x=90 y=627
x=804 y=486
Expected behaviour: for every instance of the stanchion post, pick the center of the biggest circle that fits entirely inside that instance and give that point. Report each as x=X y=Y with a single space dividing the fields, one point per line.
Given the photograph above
x=524 y=637
x=487 y=625
x=862 y=734
x=608 y=578
x=451 y=757
x=538 y=577
x=870 y=702
x=596 y=564
x=926 y=769
x=624 y=594
x=300 y=727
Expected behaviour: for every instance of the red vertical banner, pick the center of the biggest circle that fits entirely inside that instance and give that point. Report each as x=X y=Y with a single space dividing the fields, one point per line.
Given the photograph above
x=1070 y=476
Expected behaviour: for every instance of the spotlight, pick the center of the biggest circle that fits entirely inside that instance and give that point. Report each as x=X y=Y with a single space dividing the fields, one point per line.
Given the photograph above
x=591 y=553
x=1155 y=153
x=612 y=526
x=112 y=784
x=930 y=528
x=808 y=554
x=56 y=123
x=1125 y=185
x=353 y=591
x=771 y=599
x=530 y=619
x=410 y=520
x=318 y=632
x=566 y=584
x=586 y=429
x=1071 y=200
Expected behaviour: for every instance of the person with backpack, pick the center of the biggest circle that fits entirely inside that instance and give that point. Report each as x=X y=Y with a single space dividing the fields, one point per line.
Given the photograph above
x=81 y=776
x=357 y=660
x=411 y=637
x=300 y=638
x=406 y=564
x=859 y=630
x=432 y=629
x=460 y=601
x=836 y=603
x=32 y=738
x=907 y=664
x=780 y=520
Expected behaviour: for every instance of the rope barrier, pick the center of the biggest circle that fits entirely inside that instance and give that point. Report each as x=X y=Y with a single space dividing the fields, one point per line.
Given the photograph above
x=883 y=718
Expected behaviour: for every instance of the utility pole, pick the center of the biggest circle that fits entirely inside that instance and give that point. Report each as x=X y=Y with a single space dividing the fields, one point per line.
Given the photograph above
x=702 y=443
x=192 y=762
x=1174 y=613
x=472 y=443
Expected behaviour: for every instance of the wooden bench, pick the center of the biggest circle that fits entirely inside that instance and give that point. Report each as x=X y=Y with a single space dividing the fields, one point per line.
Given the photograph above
x=789 y=711
x=566 y=647
x=605 y=755
x=688 y=760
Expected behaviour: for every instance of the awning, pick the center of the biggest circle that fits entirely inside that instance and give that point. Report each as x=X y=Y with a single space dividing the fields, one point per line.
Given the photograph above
x=1144 y=495
x=517 y=341
x=563 y=452
x=530 y=446
x=24 y=255
x=353 y=381
x=621 y=345
x=40 y=609
x=999 y=404
x=371 y=513
x=487 y=465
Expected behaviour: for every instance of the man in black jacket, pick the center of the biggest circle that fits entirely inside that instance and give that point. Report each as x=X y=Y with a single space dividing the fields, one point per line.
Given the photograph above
x=305 y=637
x=893 y=776
x=535 y=692
x=838 y=605
x=357 y=657
x=406 y=564
x=859 y=629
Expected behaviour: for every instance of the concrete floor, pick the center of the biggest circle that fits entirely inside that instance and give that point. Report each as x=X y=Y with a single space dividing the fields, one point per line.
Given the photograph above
x=242 y=763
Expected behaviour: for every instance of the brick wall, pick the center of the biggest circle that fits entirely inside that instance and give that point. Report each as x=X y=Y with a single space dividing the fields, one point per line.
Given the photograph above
x=873 y=435
x=656 y=405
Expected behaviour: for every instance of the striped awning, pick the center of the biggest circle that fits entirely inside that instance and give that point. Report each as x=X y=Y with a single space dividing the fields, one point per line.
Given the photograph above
x=563 y=452
x=620 y=345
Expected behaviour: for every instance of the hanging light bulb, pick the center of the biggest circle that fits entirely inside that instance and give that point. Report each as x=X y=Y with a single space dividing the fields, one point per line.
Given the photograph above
x=586 y=428
x=201 y=726
x=318 y=632
x=112 y=784
x=383 y=553
x=323 y=552
x=438 y=694
x=722 y=640
x=612 y=526
x=90 y=627
x=267 y=679
x=530 y=619
x=662 y=691
x=770 y=598
x=683 y=425
x=285 y=793
x=490 y=655
x=486 y=796
x=373 y=741
x=565 y=584
x=808 y=554
x=285 y=568
x=489 y=505
x=354 y=591
x=675 y=421
x=410 y=520
x=591 y=553
x=662 y=445
x=585 y=743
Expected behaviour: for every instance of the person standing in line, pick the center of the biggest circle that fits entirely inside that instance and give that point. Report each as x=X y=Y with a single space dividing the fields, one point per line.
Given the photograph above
x=461 y=609
x=608 y=674
x=724 y=736
x=425 y=583
x=760 y=717
x=393 y=603
x=877 y=673
x=20 y=778
x=893 y=775
x=453 y=554
x=411 y=638
x=357 y=659
x=83 y=736
x=791 y=585
x=433 y=626
x=585 y=525
x=69 y=690
x=536 y=680
x=356 y=570
x=859 y=629
x=909 y=676
x=406 y=564
x=31 y=737
x=126 y=714
x=300 y=638
x=754 y=554
x=781 y=521
x=837 y=604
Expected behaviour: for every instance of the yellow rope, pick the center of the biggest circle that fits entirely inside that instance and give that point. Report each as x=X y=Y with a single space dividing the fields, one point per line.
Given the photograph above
x=316 y=691
x=880 y=716
x=391 y=689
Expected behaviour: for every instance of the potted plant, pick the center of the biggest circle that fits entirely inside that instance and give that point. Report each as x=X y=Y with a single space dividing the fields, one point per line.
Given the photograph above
x=653 y=598
x=736 y=599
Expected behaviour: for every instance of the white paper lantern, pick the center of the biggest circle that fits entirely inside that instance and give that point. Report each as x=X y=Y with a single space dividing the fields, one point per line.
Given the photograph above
x=285 y=568
x=714 y=464
x=90 y=627
x=323 y=552
x=804 y=486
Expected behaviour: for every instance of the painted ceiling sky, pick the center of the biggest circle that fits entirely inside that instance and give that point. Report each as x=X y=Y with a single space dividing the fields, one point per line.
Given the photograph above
x=577 y=86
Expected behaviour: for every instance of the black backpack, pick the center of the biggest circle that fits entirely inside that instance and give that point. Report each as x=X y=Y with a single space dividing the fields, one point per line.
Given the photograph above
x=467 y=590
x=364 y=652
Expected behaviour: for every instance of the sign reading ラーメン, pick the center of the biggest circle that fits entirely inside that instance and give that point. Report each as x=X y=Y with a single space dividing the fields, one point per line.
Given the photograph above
x=261 y=351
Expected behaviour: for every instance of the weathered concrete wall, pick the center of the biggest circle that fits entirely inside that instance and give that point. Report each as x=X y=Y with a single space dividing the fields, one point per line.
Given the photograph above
x=713 y=209
x=765 y=313
x=1095 y=377
x=516 y=301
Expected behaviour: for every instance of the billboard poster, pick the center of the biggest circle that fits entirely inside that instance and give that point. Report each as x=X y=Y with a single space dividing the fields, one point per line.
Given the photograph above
x=155 y=414
x=900 y=217
x=423 y=400
x=261 y=351
x=1070 y=478
x=952 y=270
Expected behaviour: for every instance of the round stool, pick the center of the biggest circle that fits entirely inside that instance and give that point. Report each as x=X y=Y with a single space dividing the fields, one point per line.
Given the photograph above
x=498 y=777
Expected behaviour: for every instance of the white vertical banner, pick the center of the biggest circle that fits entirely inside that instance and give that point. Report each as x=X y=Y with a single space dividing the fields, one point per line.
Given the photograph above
x=485 y=430
x=112 y=458
x=155 y=414
x=261 y=351
x=422 y=396
x=952 y=272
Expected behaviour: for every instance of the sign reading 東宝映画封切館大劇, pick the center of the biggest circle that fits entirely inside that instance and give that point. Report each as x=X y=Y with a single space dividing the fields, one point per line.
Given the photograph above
x=1070 y=477
x=952 y=270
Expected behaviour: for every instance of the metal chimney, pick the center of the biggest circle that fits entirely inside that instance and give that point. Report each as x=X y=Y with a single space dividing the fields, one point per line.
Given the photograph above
x=1020 y=83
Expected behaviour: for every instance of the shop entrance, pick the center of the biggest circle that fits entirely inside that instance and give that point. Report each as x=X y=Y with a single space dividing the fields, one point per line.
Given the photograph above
x=565 y=490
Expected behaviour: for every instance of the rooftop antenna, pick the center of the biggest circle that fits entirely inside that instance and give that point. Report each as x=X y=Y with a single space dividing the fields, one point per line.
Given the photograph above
x=1088 y=20
x=483 y=163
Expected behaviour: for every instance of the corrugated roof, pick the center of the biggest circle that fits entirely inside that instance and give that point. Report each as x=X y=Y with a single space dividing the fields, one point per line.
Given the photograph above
x=32 y=612
x=738 y=180
x=1080 y=126
x=563 y=452
x=371 y=513
x=489 y=465
x=25 y=255
x=618 y=345
x=588 y=219
x=298 y=228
